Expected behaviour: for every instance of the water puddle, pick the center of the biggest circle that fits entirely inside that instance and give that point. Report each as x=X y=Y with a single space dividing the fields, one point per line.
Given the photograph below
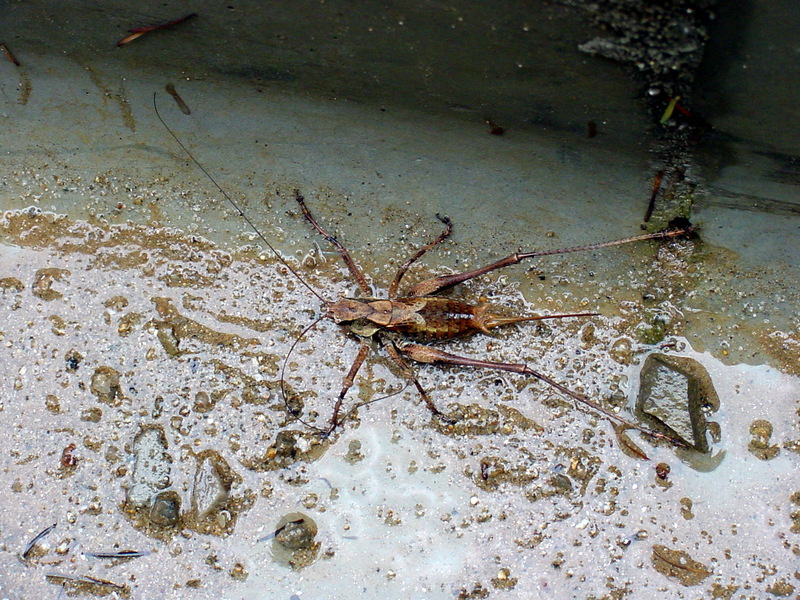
x=142 y=415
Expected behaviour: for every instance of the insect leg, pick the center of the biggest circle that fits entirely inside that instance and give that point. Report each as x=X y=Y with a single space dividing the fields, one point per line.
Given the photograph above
x=431 y=286
x=426 y=354
x=351 y=265
x=402 y=270
x=408 y=373
x=348 y=383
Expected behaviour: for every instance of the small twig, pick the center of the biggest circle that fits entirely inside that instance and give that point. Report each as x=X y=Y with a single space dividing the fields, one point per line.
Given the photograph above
x=181 y=104
x=140 y=31
x=8 y=54
x=652 y=204
x=120 y=554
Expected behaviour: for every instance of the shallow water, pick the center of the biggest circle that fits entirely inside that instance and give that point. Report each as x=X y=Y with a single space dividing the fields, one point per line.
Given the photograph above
x=528 y=495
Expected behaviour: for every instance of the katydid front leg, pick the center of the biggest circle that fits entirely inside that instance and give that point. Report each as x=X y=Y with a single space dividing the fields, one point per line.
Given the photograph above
x=361 y=280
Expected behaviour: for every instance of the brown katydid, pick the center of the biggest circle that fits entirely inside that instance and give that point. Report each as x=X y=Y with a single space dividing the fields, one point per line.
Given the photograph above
x=403 y=324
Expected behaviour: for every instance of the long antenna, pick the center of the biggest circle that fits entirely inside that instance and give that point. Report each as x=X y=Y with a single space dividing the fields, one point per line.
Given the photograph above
x=236 y=206
x=289 y=410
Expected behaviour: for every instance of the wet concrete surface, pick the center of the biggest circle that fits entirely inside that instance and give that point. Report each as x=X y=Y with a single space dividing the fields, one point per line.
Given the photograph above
x=145 y=329
x=526 y=492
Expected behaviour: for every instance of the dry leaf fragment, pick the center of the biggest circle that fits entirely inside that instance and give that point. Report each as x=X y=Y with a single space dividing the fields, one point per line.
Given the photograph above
x=679 y=565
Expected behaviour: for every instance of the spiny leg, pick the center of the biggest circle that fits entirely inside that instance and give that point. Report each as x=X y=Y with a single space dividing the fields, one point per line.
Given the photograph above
x=351 y=265
x=402 y=270
x=431 y=286
x=349 y=379
x=426 y=354
x=408 y=373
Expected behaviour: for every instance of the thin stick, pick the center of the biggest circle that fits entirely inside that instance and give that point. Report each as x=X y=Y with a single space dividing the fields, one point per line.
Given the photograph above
x=119 y=554
x=8 y=54
x=140 y=31
x=652 y=204
x=178 y=100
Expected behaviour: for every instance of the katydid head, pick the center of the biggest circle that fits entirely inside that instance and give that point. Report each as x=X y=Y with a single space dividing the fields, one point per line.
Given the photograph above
x=346 y=310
